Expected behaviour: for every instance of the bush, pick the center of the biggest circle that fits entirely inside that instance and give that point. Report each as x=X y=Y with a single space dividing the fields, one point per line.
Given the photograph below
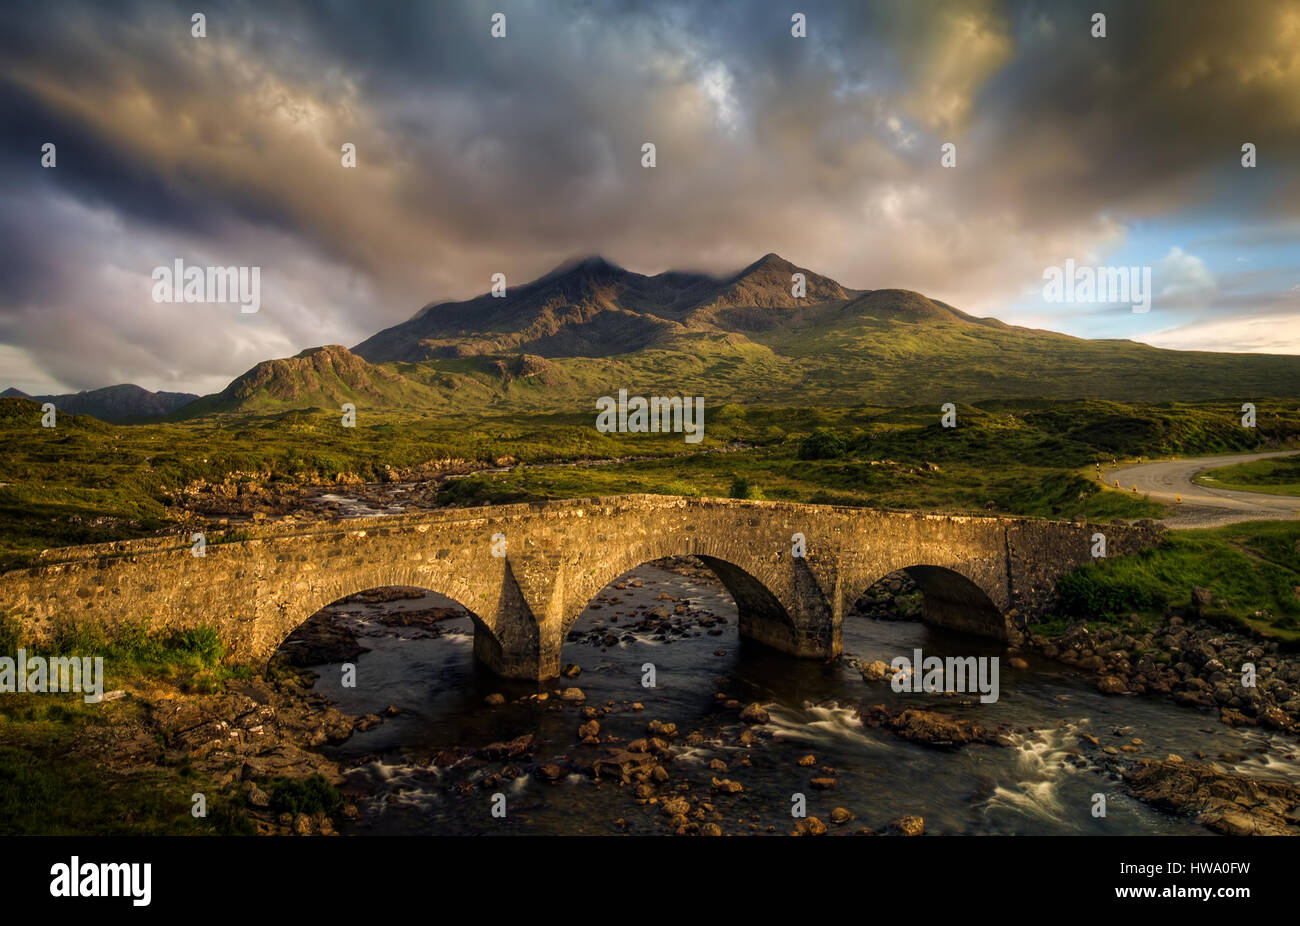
x=822 y=444
x=310 y=796
x=677 y=487
x=1090 y=593
x=741 y=488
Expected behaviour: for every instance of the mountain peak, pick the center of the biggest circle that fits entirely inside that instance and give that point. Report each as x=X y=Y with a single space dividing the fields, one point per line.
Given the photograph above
x=329 y=350
x=766 y=283
x=769 y=261
x=592 y=263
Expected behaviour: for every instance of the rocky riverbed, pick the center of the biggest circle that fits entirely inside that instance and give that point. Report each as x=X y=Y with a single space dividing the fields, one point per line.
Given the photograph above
x=726 y=740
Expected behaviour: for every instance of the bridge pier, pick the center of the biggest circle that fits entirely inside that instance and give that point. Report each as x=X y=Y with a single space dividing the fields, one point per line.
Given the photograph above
x=524 y=642
x=955 y=602
x=807 y=626
x=515 y=657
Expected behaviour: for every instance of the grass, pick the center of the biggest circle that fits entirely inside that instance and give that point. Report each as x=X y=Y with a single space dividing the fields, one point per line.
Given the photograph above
x=52 y=784
x=819 y=356
x=193 y=659
x=1274 y=476
x=47 y=788
x=1252 y=569
x=86 y=481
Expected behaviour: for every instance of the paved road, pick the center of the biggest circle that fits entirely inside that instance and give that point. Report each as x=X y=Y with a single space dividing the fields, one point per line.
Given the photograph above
x=1201 y=506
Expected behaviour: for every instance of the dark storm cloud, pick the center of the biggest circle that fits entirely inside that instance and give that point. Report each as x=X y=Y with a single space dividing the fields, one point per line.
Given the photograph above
x=479 y=155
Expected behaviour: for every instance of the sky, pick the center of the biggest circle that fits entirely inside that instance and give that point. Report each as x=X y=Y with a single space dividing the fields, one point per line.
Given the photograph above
x=478 y=155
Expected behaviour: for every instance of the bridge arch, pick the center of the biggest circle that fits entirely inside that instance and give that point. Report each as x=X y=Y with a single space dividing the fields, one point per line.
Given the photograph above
x=950 y=598
x=762 y=613
x=326 y=590
x=477 y=622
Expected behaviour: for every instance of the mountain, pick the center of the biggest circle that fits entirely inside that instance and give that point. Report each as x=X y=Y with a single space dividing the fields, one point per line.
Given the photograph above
x=590 y=327
x=320 y=377
x=126 y=402
x=592 y=308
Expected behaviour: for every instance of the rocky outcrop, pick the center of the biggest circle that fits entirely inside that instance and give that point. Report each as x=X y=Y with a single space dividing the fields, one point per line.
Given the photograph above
x=1227 y=803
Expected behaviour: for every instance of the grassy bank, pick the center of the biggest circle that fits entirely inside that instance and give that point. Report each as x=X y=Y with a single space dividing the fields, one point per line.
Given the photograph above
x=1275 y=476
x=58 y=768
x=111 y=768
x=1251 y=572
x=51 y=784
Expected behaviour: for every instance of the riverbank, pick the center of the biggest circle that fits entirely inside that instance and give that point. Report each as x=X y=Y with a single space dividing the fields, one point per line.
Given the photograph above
x=141 y=762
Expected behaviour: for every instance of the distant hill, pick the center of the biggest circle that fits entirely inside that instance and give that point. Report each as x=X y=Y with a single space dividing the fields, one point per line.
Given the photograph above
x=318 y=377
x=126 y=402
x=589 y=327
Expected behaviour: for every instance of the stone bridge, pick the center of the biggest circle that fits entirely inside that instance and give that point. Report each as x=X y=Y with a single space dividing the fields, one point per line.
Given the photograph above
x=527 y=571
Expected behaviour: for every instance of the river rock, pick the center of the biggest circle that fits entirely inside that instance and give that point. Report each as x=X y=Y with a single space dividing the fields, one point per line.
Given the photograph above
x=658 y=728
x=929 y=728
x=675 y=806
x=1111 y=685
x=810 y=826
x=910 y=825
x=519 y=747
x=727 y=786
x=875 y=671
x=549 y=771
x=625 y=765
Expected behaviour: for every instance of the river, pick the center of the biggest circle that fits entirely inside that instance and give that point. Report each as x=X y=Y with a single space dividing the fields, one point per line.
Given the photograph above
x=1042 y=783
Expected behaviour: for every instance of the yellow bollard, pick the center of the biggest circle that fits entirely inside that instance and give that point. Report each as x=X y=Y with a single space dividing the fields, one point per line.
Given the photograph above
x=1179 y=498
x=1117 y=483
x=1135 y=488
